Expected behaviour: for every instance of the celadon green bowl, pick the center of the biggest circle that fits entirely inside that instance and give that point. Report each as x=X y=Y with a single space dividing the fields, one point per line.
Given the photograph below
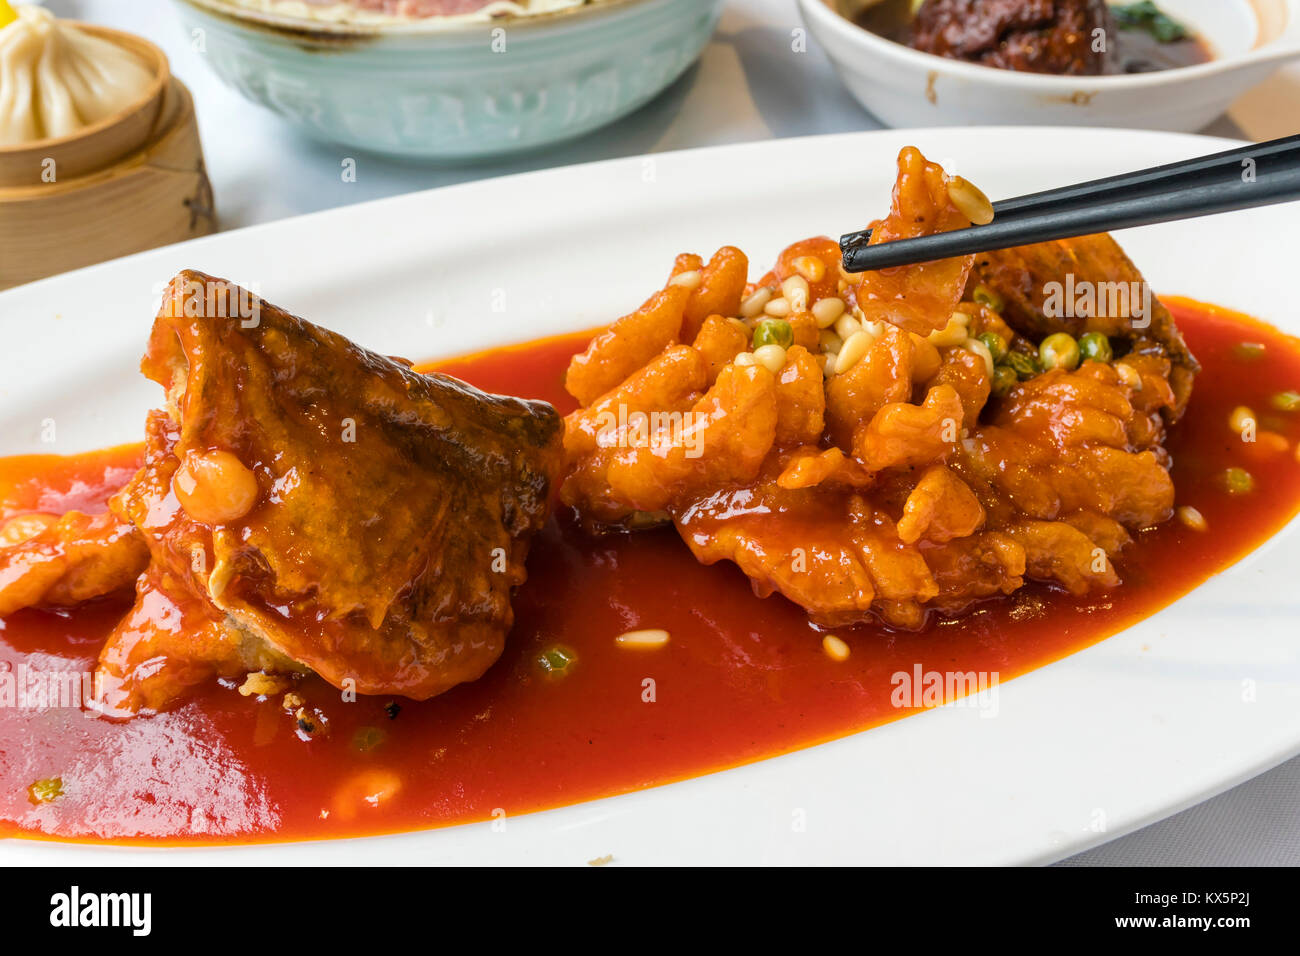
x=454 y=90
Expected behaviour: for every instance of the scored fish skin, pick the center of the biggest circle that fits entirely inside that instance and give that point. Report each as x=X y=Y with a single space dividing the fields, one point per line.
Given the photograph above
x=393 y=514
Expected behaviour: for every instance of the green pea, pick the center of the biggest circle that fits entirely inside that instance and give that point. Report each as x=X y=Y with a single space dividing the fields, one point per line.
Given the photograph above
x=996 y=346
x=367 y=739
x=1238 y=481
x=988 y=298
x=1059 y=351
x=1095 y=347
x=773 y=332
x=1287 y=401
x=1025 y=366
x=555 y=661
x=1004 y=380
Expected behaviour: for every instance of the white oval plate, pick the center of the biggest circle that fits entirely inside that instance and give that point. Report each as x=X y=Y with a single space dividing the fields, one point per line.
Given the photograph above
x=1137 y=727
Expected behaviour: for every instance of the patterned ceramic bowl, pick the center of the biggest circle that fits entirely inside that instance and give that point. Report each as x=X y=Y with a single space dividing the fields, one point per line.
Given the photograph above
x=453 y=90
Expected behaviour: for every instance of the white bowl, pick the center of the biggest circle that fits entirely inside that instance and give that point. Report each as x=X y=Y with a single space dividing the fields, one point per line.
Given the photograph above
x=905 y=87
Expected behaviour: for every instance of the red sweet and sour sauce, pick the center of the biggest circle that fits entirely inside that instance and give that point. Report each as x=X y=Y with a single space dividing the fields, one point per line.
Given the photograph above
x=741 y=678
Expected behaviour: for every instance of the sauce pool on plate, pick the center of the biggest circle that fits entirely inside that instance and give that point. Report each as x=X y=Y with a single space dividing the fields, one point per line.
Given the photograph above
x=569 y=713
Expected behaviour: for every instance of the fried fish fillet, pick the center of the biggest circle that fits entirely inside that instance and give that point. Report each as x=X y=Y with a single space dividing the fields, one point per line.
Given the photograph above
x=304 y=504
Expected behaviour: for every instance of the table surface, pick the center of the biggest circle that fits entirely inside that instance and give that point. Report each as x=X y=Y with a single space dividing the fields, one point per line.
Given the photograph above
x=738 y=92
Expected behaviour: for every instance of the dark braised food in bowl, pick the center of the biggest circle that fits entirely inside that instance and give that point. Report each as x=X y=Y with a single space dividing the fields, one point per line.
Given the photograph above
x=1062 y=37
x=1039 y=36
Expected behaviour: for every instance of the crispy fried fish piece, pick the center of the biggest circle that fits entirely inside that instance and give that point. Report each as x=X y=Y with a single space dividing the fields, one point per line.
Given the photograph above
x=1111 y=297
x=351 y=515
x=920 y=297
x=897 y=483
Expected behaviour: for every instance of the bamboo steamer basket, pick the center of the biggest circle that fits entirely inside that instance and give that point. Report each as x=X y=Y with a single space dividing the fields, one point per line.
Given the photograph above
x=131 y=182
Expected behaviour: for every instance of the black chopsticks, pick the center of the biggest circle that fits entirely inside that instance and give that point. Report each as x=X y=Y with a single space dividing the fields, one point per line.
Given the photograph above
x=1256 y=175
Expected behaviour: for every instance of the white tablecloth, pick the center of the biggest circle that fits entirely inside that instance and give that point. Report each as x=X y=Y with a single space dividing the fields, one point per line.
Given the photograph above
x=746 y=87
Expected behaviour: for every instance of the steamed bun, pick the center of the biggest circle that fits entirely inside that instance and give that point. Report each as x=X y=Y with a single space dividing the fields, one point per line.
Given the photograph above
x=56 y=79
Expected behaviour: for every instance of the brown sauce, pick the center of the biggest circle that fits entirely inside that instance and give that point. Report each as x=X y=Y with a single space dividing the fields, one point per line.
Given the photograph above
x=1132 y=50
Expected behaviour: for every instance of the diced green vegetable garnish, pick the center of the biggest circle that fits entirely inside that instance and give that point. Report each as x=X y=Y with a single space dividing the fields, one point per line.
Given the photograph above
x=1145 y=15
x=987 y=297
x=773 y=332
x=1004 y=380
x=367 y=739
x=556 y=660
x=1238 y=481
x=45 y=791
x=1249 y=351
x=1287 y=401
x=1059 y=351
x=996 y=345
x=1025 y=366
x=1095 y=346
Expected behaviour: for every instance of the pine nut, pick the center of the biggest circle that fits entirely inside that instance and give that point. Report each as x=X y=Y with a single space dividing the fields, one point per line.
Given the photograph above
x=690 y=280
x=970 y=201
x=648 y=638
x=827 y=311
x=778 y=308
x=1241 y=419
x=982 y=350
x=1192 y=518
x=1272 y=442
x=810 y=267
x=795 y=289
x=954 y=333
x=752 y=307
x=846 y=325
x=851 y=352
x=835 y=648
x=771 y=357
x=793 y=285
x=1129 y=376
